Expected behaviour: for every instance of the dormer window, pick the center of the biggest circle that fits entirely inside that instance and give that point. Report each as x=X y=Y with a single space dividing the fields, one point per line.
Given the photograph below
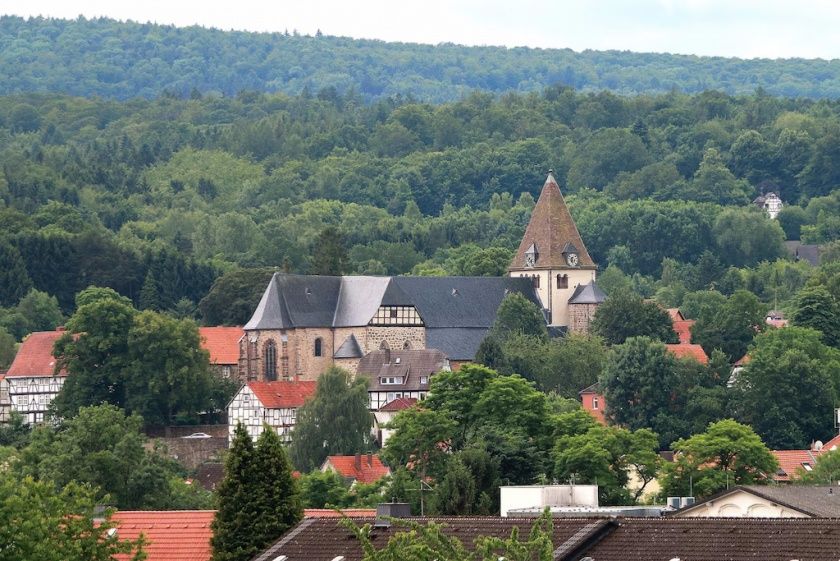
x=531 y=256
x=391 y=380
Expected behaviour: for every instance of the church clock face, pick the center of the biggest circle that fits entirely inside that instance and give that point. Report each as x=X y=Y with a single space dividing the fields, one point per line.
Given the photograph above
x=530 y=260
x=572 y=259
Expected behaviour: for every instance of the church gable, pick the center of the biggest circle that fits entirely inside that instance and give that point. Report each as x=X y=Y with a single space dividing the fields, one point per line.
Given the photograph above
x=551 y=240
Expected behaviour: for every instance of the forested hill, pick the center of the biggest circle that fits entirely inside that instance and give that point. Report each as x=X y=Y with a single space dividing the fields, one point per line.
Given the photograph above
x=107 y=58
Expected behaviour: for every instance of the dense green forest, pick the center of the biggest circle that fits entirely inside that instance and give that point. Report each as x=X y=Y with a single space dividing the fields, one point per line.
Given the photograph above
x=103 y=57
x=157 y=198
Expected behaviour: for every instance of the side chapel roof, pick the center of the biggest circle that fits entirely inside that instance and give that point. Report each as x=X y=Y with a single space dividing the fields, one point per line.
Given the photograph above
x=553 y=231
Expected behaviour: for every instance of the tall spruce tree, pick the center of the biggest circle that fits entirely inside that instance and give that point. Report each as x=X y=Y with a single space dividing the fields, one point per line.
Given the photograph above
x=233 y=536
x=275 y=494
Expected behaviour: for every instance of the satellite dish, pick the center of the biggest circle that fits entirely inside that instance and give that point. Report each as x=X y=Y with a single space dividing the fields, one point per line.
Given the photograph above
x=818 y=445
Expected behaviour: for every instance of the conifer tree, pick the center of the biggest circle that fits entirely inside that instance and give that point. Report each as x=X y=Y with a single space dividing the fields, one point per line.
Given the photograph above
x=276 y=498
x=233 y=537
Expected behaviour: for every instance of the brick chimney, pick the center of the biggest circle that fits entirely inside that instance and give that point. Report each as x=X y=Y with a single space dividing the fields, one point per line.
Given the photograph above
x=370 y=459
x=358 y=462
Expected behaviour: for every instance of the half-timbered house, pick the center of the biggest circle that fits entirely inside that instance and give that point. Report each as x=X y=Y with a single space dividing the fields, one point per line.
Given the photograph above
x=273 y=403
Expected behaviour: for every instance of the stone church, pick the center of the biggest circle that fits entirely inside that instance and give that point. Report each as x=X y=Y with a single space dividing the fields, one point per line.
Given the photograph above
x=305 y=323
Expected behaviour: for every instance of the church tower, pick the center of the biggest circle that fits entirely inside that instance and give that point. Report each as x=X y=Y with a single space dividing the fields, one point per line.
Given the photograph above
x=552 y=253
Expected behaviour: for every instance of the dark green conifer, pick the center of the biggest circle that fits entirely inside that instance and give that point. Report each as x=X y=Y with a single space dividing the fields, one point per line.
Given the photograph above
x=233 y=536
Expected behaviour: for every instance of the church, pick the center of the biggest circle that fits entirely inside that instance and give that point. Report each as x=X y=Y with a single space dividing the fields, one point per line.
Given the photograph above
x=304 y=324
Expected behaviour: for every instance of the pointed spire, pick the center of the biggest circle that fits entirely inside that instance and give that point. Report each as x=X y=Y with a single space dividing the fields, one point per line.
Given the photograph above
x=553 y=233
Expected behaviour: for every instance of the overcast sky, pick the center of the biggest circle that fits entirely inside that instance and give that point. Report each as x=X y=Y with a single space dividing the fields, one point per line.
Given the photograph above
x=743 y=28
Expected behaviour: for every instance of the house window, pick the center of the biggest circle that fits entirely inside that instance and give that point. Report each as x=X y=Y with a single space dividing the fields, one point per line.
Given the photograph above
x=562 y=281
x=226 y=372
x=318 y=343
x=270 y=360
x=594 y=403
x=424 y=380
x=391 y=380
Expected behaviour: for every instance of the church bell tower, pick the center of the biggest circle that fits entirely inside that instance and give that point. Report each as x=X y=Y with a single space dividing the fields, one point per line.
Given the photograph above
x=553 y=255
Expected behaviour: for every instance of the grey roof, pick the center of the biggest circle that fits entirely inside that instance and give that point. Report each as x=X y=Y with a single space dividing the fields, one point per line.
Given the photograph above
x=293 y=301
x=411 y=364
x=807 y=252
x=587 y=294
x=358 y=299
x=350 y=348
x=813 y=500
x=458 y=343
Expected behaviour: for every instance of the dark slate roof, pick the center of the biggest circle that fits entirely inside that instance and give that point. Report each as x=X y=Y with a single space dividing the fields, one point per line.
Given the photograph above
x=807 y=252
x=587 y=294
x=813 y=500
x=461 y=301
x=293 y=301
x=456 y=343
x=350 y=348
x=410 y=364
x=621 y=539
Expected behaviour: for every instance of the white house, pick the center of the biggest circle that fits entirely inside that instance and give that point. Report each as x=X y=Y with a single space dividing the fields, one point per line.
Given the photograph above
x=768 y=501
x=273 y=403
x=771 y=203
x=32 y=380
x=5 y=400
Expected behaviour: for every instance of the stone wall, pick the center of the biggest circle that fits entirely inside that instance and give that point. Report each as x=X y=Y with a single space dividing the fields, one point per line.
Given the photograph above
x=396 y=338
x=581 y=316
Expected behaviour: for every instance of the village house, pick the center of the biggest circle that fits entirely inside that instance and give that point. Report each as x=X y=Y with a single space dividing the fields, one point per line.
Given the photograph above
x=272 y=403
x=768 y=501
x=5 y=400
x=361 y=468
x=793 y=464
x=222 y=343
x=400 y=374
x=386 y=414
x=769 y=203
x=33 y=381
x=304 y=324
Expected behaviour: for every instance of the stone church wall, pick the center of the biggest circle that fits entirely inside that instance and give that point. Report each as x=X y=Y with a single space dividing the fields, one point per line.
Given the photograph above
x=396 y=338
x=581 y=316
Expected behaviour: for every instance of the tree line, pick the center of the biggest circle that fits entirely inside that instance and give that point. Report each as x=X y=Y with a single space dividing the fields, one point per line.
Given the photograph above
x=123 y=60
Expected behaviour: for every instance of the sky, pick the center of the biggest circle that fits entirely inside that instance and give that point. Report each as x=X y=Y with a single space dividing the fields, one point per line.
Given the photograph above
x=739 y=28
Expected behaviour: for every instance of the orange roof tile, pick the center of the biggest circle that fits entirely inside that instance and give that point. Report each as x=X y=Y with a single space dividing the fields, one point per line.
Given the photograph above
x=35 y=355
x=743 y=361
x=833 y=443
x=176 y=535
x=222 y=343
x=683 y=329
x=791 y=462
x=283 y=394
x=399 y=404
x=676 y=314
x=683 y=350
x=330 y=513
x=366 y=473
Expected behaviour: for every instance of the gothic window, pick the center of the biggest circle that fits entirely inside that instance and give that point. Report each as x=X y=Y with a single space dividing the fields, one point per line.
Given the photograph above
x=562 y=281
x=270 y=360
x=407 y=345
x=536 y=281
x=318 y=343
x=383 y=346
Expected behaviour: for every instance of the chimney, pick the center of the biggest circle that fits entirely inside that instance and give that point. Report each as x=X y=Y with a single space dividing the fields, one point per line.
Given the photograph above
x=370 y=459
x=358 y=462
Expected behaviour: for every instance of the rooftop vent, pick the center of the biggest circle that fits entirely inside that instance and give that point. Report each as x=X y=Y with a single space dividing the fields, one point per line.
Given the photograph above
x=454 y=292
x=390 y=510
x=281 y=558
x=397 y=360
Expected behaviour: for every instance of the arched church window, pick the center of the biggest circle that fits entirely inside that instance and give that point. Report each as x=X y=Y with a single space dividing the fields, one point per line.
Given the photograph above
x=407 y=345
x=562 y=281
x=536 y=281
x=318 y=344
x=383 y=346
x=270 y=361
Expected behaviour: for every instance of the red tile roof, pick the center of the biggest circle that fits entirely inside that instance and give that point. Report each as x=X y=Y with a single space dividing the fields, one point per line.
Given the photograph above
x=743 y=361
x=283 y=394
x=399 y=404
x=330 y=513
x=683 y=350
x=834 y=442
x=35 y=355
x=676 y=314
x=792 y=462
x=176 y=535
x=367 y=473
x=683 y=329
x=222 y=343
